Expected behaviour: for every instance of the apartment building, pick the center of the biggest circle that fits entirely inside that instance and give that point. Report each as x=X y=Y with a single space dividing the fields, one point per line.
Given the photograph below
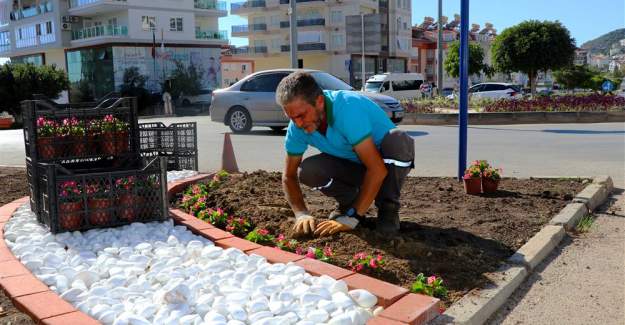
x=424 y=41
x=329 y=35
x=97 y=41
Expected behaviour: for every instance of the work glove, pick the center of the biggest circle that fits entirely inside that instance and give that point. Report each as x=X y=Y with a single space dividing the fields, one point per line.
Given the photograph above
x=304 y=224
x=338 y=223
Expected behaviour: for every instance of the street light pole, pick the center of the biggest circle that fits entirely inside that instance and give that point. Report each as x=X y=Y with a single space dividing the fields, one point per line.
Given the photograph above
x=293 y=23
x=439 y=48
x=362 y=45
x=463 y=115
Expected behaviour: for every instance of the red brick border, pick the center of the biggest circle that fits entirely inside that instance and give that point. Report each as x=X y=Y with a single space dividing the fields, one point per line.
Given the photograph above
x=33 y=297
x=404 y=308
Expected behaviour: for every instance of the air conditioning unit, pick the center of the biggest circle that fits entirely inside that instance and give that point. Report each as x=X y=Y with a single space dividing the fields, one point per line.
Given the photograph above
x=66 y=26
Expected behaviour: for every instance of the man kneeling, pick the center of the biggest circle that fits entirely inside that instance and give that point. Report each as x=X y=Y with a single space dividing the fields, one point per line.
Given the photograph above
x=363 y=156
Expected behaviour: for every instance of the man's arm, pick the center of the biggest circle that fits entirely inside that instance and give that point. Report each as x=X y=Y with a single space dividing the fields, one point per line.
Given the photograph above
x=304 y=222
x=374 y=177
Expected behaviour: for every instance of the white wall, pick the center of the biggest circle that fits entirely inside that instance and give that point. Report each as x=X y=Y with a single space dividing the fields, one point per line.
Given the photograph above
x=135 y=29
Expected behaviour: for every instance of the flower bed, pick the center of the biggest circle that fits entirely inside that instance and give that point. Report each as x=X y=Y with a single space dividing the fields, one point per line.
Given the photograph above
x=445 y=233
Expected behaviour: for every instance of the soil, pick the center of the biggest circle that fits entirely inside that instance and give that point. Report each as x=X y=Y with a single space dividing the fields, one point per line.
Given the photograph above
x=13 y=187
x=444 y=231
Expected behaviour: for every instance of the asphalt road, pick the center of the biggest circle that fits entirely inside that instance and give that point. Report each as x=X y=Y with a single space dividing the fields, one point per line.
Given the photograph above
x=560 y=150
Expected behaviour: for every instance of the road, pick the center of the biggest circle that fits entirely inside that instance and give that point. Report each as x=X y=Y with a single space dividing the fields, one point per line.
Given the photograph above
x=560 y=150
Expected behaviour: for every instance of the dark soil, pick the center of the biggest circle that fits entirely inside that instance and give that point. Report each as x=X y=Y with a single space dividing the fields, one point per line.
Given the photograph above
x=12 y=186
x=443 y=231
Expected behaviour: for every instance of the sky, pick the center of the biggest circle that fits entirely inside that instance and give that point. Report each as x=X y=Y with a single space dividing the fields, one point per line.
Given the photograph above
x=585 y=19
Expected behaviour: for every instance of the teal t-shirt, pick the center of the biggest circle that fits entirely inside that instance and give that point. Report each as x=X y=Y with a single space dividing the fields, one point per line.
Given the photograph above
x=351 y=119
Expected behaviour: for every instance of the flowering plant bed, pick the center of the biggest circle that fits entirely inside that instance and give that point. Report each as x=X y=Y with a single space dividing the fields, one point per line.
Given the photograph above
x=444 y=233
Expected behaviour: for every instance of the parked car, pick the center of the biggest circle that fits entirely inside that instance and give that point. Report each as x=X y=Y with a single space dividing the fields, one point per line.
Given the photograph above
x=397 y=85
x=252 y=100
x=204 y=97
x=495 y=90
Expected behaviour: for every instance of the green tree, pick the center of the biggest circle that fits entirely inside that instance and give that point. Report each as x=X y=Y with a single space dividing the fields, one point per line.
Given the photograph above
x=185 y=80
x=476 y=60
x=19 y=82
x=575 y=76
x=134 y=86
x=533 y=46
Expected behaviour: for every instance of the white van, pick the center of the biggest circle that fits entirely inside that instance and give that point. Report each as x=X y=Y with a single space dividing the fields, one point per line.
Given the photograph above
x=397 y=85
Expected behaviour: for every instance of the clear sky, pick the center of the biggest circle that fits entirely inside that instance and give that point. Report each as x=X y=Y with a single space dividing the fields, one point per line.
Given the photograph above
x=585 y=19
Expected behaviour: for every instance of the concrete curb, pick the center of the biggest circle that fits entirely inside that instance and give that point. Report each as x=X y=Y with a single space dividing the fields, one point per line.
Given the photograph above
x=478 y=305
x=499 y=118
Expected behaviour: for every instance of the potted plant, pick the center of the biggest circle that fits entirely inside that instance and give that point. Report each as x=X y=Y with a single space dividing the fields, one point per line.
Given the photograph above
x=75 y=133
x=128 y=199
x=46 y=136
x=93 y=130
x=114 y=135
x=490 y=179
x=70 y=205
x=472 y=180
x=99 y=203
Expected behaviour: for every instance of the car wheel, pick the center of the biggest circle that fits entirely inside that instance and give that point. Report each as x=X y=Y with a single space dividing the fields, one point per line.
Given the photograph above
x=186 y=102
x=277 y=128
x=239 y=120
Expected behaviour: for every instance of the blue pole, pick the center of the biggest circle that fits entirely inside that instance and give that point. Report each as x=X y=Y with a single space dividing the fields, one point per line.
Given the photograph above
x=463 y=117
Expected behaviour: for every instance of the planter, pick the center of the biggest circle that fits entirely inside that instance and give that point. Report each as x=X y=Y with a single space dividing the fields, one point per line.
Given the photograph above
x=129 y=206
x=78 y=146
x=100 y=211
x=70 y=215
x=93 y=147
x=473 y=186
x=489 y=185
x=5 y=123
x=115 y=143
x=47 y=147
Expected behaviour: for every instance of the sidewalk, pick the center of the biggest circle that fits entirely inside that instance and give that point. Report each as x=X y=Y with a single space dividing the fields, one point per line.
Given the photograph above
x=581 y=282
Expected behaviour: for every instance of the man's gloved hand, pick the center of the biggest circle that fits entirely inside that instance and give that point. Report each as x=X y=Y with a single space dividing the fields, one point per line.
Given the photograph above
x=338 y=224
x=304 y=224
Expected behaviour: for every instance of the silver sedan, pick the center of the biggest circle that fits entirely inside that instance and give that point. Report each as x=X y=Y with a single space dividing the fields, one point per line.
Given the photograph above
x=252 y=100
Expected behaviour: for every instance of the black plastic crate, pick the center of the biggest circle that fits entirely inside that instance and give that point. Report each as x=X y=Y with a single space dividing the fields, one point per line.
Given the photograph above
x=72 y=201
x=177 y=142
x=33 y=187
x=101 y=136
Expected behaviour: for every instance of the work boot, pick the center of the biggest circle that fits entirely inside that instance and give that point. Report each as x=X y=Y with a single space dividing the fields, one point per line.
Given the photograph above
x=388 y=219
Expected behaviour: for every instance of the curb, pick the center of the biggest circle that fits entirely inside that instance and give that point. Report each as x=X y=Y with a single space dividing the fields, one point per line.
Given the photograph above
x=405 y=308
x=478 y=305
x=500 y=118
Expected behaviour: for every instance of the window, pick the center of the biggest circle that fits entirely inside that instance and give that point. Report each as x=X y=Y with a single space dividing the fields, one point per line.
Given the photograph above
x=336 y=16
x=406 y=85
x=337 y=41
x=264 y=83
x=112 y=22
x=275 y=20
x=275 y=43
x=38 y=29
x=148 y=23
x=175 y=24
x=49 y=27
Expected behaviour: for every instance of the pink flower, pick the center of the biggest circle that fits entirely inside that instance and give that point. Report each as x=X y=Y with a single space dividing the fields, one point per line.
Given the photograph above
x=281 y=237
x=311 y=253
x=263 y=232
x=220 y=211
x=379 y=258
x=299 y=251
x=327 y=251
x=372 y=263
x=431 y=279
x=359 y=267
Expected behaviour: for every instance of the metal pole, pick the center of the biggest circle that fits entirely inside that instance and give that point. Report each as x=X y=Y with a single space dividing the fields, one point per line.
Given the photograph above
x=293 y=23
x=464 y=87
x=362 y=46
x=439 y=48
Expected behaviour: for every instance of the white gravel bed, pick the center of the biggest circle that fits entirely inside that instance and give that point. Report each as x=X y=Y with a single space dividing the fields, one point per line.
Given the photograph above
x=158 y=273
x=176 y=175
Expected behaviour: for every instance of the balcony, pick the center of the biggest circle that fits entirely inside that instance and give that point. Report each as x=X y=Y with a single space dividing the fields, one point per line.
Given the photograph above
x=32 y=11
x=35 y=41
x=210 y=8
x=211 y=34
x=305 y=47
x=99 y=31
x=244 y=29
x=286 y=2
x=251 y=50
x=95 y=7
x=5 y=48
x=246 y=6
x=305 y=22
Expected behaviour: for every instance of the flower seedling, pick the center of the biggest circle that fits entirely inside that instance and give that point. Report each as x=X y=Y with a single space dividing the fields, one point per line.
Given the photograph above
x=362 y=262
x=324 y=255
x=285 y=244
x=238 y=226
x=260 y=236
x=431 y=286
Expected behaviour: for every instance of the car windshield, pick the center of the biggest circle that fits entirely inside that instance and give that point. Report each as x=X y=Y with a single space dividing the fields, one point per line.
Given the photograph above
x=329 y=82
x=373 y=86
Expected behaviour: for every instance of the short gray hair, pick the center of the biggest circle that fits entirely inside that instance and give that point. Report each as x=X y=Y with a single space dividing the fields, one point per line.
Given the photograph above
x=298 y=85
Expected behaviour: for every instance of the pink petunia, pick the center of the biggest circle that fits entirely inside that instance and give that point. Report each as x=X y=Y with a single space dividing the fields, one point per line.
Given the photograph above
x=263 y=232
x=281 y=237
x=431 y=279
x=372 y=264
x=311 y=253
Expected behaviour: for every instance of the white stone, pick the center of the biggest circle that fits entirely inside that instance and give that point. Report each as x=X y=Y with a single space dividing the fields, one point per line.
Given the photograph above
x=72 y=294
x=363 y=298
x=341 y=320
x=338 y=286
x=317 y=316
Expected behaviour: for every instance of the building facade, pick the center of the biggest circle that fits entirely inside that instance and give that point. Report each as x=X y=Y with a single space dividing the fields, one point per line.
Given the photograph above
x=329 y=35
x=98 y=41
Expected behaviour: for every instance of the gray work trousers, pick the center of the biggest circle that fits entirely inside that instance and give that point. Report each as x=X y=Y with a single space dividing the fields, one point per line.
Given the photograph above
x=341 y=178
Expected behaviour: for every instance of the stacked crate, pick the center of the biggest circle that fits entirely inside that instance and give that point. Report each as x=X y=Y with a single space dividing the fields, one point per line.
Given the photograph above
x=177 y=142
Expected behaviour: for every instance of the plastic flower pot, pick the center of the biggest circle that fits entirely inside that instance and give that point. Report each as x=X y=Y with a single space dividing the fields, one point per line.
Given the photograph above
x=473 y=185
x=99 y=211
x=129 y=205
x=78 y=145
x=92 y=145
x=489 y=185
x=46 y=147
x=114 y=143
x=70 y=215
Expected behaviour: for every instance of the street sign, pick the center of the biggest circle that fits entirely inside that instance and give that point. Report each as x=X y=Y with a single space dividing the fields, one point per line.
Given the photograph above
x=607 y=86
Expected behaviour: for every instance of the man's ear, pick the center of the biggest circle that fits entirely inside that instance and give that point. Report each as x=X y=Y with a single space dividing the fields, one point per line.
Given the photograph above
x=320 y=102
